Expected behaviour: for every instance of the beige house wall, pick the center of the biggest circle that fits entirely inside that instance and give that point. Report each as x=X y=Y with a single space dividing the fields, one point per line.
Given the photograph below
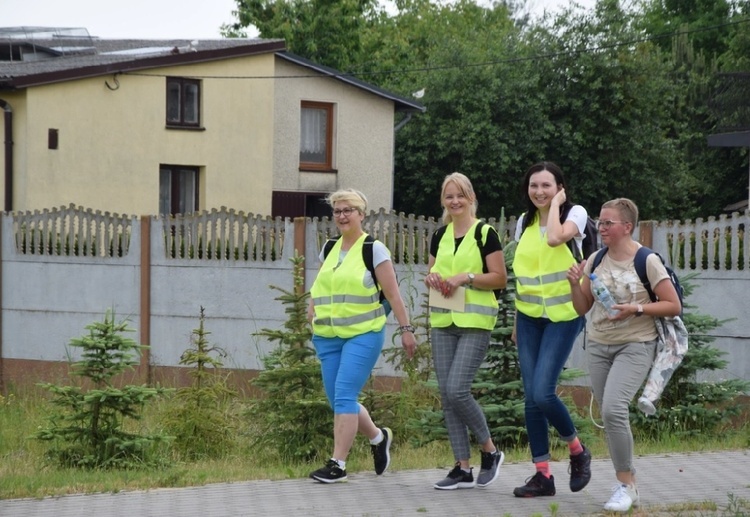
x=363 y=136
x=111 y=142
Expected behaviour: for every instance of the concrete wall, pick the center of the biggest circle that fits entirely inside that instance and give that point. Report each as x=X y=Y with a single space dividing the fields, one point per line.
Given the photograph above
x=48 y=300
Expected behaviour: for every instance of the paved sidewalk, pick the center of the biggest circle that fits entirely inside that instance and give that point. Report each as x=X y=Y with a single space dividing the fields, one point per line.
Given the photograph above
x=663 y=480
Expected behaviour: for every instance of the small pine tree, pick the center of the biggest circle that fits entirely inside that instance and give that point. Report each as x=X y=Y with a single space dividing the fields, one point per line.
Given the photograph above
x=88 y=429
x=200 y=421
x=498 y=386
x=292 y=415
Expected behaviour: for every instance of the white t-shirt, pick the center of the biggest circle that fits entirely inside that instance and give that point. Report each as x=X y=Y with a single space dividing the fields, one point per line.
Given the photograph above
x=577 y=214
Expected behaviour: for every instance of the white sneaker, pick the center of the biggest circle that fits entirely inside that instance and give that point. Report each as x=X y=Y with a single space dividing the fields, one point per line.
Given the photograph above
x=623 y=498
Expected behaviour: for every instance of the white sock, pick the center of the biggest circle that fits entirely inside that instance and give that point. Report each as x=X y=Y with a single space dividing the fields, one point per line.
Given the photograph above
x=342 y=463
x=379 y=438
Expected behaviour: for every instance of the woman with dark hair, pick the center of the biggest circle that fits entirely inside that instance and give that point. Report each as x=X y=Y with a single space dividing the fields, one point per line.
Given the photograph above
x=547 y=324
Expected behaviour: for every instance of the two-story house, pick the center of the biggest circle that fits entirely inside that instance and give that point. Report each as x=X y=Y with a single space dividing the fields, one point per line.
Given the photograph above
x=176 y=126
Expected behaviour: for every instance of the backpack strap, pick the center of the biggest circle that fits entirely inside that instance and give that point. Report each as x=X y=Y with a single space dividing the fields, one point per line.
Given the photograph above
x=640 y=267
x=328 y=246
x=367 y=257
x=571 y=243
x=480 y=244
x=597 y=258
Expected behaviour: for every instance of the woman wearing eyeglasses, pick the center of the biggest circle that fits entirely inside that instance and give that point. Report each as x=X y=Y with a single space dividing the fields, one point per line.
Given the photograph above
x=348 y=323
x=547 y=324
x=622 y=347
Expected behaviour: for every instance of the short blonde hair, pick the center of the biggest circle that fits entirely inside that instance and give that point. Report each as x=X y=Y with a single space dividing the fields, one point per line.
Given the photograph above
x=625 y=207
x=355 y=198
x=464 y=186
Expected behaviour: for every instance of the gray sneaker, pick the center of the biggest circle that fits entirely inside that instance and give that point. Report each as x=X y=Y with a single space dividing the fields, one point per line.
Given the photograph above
x=490 y=470
x=456 y=478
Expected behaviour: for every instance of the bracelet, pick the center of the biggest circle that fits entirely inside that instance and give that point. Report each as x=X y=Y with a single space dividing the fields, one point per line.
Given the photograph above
x=406 y=328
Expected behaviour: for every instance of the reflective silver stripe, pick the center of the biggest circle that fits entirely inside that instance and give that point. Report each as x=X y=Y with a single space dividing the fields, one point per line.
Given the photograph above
x=535 y=300
x=527 y=280
x=352 y=320
x=559 y=300
x=347 y=298
x=554 y=277
x=482 y=310
x=544 y=279
x=549 y=302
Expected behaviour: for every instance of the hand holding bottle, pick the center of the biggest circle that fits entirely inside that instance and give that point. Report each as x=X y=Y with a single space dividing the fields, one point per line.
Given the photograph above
x=603 y=296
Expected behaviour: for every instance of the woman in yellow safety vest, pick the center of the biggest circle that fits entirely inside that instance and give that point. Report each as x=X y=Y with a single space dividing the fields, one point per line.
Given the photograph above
x=348 y=322
x=546 y=322
x=461 y=334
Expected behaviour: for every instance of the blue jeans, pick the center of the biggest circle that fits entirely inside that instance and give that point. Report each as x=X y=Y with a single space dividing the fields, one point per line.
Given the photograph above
x=543 y=348
x=346 y=365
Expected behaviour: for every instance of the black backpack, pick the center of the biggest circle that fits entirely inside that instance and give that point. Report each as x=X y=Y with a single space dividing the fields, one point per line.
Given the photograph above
x=639 y=262
x=480 y=244
x=367 y=257
x=591 y=242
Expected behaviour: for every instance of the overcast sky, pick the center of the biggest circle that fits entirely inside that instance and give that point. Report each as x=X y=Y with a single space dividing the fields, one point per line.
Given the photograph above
x=190 y=19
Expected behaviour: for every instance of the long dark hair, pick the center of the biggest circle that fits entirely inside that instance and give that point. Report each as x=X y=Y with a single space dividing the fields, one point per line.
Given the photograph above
x=531 y=209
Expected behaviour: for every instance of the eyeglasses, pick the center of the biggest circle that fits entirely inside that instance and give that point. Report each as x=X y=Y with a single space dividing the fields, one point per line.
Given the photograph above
x=338 y=212
x=608 y=224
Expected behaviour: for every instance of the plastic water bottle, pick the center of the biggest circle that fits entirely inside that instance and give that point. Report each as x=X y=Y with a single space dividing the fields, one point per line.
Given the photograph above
x=603 y=295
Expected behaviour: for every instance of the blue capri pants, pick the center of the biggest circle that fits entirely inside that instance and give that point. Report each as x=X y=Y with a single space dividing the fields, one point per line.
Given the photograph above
x=346 y=365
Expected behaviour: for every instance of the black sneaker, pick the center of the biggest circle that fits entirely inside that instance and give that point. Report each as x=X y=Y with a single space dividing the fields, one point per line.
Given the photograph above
x=580 y=470
x=490 y=470
x=536 y=486
x=381 y=453
x=331 y=473
x=456 y=478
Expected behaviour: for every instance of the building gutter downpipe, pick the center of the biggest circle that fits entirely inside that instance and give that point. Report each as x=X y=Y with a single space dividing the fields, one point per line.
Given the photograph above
x=8 y=124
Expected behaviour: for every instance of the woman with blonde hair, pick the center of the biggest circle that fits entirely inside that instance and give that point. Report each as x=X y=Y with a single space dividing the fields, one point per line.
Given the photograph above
x=461 y=263
x=348 y=322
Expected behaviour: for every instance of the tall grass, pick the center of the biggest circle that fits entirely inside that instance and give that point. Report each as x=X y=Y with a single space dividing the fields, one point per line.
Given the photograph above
x=24 y=471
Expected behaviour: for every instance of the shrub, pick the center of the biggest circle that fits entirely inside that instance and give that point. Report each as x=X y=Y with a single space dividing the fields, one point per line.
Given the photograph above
x=292 y=414
x=201 y=421
x=88 y=429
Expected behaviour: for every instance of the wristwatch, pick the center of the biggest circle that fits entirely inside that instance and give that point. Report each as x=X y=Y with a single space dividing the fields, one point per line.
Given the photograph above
x=471 y=279
x=639 y=310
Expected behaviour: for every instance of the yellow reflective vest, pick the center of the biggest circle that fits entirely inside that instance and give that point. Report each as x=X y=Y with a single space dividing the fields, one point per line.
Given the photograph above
x=344 y=306
x=542 y=287
x=480 y=310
